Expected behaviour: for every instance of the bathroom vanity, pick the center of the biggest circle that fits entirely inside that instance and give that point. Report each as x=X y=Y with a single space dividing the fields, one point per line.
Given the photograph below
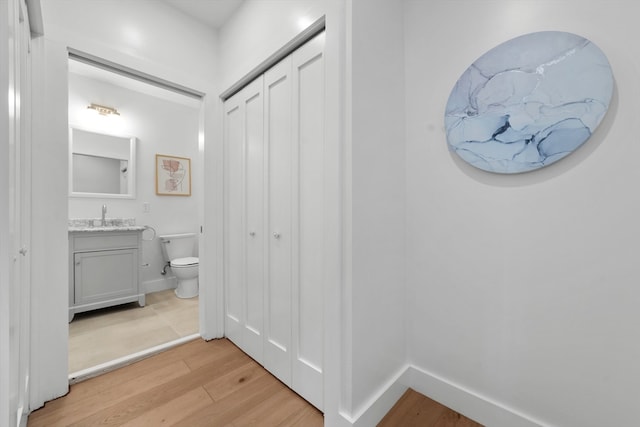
x=104 y=267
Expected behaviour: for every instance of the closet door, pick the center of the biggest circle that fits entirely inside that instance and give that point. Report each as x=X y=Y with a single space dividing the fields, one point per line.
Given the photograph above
x=274 y=247
x=244 y=218
x=308 y=249
x=280 y=186
x=254 y=234
x=233 y=221
x=294 y=96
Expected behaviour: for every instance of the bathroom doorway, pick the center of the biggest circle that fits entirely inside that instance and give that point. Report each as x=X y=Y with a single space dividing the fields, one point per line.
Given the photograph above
x=161 y=122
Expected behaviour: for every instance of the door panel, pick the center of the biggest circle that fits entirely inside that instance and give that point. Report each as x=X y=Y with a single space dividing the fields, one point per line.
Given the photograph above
x=253 y=104
x=278 y=297
x=308 y=79
x=244 y=140
x=234 y=234
x=17 y=134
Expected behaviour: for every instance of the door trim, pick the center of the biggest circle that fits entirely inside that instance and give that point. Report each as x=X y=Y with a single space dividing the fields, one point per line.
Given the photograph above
x=309 y=33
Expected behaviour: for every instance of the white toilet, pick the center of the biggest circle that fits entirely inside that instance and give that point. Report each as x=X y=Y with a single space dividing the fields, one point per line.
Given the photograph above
x=178 y=251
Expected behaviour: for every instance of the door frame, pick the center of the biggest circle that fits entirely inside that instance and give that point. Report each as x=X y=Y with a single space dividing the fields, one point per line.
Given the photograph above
x=49 y=325
x=15 y=340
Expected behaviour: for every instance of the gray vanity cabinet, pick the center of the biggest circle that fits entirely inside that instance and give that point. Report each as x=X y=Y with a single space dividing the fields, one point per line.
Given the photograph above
x=104 y=269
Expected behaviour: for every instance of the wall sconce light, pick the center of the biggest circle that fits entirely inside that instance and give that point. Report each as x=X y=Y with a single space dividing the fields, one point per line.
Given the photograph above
x=103 y=110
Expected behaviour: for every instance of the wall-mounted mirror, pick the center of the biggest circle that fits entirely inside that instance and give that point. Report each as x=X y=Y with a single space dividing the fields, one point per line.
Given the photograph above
x=101 y=165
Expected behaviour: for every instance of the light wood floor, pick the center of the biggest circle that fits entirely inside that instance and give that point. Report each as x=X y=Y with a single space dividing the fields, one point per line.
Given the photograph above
x=416 y=410
x=210 y=384
x=104 y=335
x=195 y=384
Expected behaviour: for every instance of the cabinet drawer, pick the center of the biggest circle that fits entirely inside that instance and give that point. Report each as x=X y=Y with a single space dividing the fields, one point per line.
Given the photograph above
x=101 y=241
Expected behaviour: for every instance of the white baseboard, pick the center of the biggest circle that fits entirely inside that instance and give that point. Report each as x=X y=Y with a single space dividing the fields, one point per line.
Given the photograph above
x=158 y=285
x=468 y=403
x=377 y=407
x=21 y=418
x=454 y=396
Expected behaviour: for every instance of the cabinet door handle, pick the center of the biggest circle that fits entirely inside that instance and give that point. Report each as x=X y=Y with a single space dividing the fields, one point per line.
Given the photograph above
x=252 y=233
x=276 y=235
x=77 y=262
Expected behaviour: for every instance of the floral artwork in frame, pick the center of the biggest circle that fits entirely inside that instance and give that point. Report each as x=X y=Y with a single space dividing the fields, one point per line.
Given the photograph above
x=173 y=175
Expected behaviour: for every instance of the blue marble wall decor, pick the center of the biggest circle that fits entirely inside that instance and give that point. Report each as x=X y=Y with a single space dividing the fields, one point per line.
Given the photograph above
x=528 y=102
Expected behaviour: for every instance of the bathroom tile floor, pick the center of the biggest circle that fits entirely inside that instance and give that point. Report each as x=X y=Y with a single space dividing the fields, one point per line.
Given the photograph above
x=101 y=336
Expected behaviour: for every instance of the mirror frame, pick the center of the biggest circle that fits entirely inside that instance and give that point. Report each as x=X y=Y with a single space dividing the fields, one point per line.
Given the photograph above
x=131 y=179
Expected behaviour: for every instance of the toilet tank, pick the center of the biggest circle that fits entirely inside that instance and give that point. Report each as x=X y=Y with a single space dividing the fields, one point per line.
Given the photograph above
x=178 y=245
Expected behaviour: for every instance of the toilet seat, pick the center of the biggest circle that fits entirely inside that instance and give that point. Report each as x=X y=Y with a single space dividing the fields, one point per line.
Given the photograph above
x=185 y=262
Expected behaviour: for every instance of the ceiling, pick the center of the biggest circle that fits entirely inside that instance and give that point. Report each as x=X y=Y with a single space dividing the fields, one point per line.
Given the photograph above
x=213 y=13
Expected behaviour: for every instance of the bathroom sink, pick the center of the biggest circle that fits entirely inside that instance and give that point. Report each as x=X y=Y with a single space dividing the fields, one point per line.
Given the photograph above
x=108 y=228
x=110 y=224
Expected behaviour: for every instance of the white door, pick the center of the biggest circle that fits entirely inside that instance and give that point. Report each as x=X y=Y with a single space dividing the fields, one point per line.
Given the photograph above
x=308 y=250
x=244 y=222
x=16 y=75
x=254 y=233
x=274 y=234
x=233 y=227
x=280 y=184
x=23 y=212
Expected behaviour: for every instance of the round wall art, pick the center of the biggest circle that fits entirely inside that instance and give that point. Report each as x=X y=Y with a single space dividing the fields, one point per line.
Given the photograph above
x=528 y=102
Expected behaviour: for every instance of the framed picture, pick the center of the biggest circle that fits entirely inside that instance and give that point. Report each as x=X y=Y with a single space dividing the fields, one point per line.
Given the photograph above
x=173 y=175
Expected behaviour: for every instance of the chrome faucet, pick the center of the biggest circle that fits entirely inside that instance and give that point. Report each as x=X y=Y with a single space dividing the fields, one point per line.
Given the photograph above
x=104 y=215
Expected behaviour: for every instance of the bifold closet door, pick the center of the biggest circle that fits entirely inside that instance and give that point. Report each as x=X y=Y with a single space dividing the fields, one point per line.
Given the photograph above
x=280 y=189
x=308 y=248
x=244 y=231
x=294 y=124
x=274 y=228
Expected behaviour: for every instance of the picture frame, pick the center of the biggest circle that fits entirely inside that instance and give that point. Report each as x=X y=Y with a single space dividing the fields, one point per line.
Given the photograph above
x=173 y=175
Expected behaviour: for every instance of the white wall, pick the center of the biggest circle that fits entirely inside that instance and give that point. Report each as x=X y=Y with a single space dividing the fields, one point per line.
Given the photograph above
x=141 y=34
x=375 y=183
x=258 y=29
x=523 y=290
x=161 y=127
